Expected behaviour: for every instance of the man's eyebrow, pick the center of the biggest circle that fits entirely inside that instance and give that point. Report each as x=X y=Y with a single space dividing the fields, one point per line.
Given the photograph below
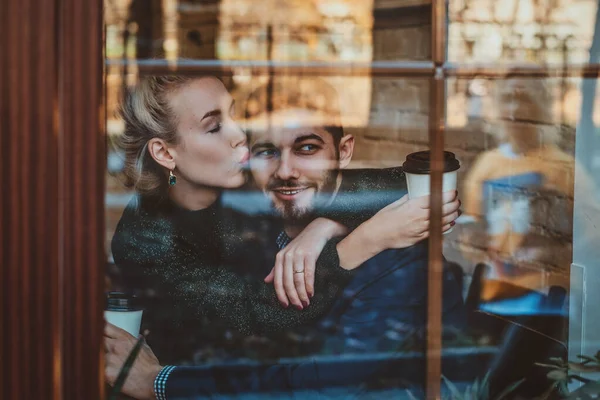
x=310 y=136
x=262 y=145
x=212 y=113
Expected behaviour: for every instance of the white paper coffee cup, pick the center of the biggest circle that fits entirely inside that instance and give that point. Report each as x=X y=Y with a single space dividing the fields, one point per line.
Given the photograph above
x=419 y=185
x=417 y=169
x=123 y=311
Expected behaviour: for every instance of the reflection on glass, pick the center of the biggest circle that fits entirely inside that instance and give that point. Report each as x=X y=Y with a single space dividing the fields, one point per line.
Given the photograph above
x=515 y=240
x=319 y=31
x=200 y=228
x=337 y=31
x=521 y=31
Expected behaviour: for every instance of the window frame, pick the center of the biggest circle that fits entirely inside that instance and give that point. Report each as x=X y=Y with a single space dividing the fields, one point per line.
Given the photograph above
x=70 y=183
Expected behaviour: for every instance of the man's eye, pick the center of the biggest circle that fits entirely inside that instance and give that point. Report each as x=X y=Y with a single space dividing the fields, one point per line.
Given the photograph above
x=265 y=153
x=308 y=148
x=216 y=129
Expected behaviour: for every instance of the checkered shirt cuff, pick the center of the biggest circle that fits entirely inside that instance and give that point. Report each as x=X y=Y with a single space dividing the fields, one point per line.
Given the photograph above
x=283 y=240
x=160 y=383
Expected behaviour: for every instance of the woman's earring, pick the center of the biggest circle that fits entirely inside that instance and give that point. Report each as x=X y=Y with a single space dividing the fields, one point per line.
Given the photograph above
x=172 y=179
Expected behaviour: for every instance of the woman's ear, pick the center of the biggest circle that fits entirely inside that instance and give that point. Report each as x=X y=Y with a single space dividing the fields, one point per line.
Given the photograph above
x=346 y=149
x=161 y=153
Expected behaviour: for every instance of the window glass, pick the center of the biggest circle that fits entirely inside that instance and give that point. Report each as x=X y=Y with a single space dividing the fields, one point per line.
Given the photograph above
x=316 y=139
x=521 y=32
x=281 y=139
x=522 y=170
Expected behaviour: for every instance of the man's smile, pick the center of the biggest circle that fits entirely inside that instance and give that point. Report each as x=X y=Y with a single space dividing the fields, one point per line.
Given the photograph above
x=288 y=193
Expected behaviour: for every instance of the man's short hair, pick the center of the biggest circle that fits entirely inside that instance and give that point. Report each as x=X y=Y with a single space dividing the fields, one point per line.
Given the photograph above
x=284 y=93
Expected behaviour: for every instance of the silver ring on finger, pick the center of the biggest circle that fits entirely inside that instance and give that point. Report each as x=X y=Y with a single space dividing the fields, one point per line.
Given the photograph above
x=299 y=272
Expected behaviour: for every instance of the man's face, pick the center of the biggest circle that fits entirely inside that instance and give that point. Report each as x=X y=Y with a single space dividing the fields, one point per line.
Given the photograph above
x=295 y=161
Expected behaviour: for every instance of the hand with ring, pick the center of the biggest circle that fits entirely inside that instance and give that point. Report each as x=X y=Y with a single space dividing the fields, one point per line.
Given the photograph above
x=294 y=272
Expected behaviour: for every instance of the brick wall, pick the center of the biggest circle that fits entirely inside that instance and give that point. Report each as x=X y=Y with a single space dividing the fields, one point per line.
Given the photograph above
x=398 y=117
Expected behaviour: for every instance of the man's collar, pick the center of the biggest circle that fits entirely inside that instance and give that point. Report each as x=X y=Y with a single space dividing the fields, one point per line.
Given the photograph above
x=338 y=184
x=282 y=240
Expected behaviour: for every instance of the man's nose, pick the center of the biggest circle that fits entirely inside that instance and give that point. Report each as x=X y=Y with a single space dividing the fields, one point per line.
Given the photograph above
x=285 y=169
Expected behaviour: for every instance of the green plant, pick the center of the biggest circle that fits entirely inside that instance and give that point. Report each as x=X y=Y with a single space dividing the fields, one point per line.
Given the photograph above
x=478 y=390
x=565 y=372
x=588 y=391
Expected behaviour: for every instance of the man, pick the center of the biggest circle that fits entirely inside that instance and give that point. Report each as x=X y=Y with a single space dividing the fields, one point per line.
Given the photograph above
x=298 y=152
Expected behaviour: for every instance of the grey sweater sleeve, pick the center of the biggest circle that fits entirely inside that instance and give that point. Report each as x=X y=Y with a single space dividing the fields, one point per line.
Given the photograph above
x=152 y=251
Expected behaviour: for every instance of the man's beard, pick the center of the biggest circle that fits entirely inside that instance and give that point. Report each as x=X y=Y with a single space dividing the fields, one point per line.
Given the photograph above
x=294 y=213
x=301 y=214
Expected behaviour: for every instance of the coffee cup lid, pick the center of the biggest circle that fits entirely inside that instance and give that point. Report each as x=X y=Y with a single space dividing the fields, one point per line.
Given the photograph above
x=120 y=301
x=420 y=162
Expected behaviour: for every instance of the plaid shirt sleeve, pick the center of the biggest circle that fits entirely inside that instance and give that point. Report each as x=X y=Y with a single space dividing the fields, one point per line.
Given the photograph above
x=160 y=383
x=282 y=240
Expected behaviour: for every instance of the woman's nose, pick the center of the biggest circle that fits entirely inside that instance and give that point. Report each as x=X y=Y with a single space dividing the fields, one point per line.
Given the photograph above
x=238 y=137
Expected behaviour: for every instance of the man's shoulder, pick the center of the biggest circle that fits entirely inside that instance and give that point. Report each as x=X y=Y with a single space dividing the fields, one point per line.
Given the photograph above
x=373 y=179
x=369 y=189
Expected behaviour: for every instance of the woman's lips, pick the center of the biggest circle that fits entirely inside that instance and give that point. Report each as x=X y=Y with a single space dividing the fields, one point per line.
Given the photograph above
x=243 y=162
x=242 y=155
x=245 y=157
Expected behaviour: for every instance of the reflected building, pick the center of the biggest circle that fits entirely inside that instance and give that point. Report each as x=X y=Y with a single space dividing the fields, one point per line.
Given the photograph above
x=388 y=116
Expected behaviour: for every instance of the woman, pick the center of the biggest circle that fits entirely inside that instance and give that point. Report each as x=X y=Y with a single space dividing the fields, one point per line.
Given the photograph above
x=182 y=148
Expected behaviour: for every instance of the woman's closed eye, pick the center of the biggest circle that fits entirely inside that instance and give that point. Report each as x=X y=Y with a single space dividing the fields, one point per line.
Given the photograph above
x=217 y=128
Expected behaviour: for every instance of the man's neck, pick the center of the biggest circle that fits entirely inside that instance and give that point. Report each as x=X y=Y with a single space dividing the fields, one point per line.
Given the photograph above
x=294 y=228
x=193 y=197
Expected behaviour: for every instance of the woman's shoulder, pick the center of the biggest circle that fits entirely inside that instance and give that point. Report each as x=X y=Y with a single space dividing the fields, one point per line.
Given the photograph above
x=141 y=229
x=140 y=214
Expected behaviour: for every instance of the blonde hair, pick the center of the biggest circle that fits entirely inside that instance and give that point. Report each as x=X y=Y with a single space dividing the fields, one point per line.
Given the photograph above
x=147 y=115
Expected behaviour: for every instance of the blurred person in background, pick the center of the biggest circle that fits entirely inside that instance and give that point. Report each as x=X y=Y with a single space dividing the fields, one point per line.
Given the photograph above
x=521 y=193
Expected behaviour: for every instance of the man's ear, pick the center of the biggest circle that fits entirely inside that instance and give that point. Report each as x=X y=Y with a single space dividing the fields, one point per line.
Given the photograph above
x=346 y=149
x=161 y=153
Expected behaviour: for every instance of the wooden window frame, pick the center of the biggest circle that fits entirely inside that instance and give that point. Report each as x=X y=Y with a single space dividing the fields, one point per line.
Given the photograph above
x=51 y=88
x=52 y=203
